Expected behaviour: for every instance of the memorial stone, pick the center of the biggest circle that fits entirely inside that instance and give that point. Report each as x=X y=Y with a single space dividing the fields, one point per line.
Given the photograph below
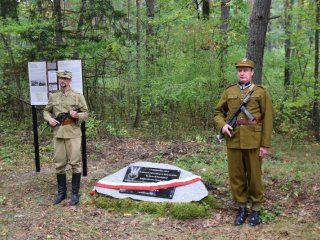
x=155 y=182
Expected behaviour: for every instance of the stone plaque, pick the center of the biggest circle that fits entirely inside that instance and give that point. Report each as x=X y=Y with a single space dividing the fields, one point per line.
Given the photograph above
x=158 y=173
x=138 y=174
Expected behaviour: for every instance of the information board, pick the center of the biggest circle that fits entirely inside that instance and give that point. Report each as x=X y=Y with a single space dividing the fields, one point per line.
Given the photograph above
x=43 y=78
x=38 y=83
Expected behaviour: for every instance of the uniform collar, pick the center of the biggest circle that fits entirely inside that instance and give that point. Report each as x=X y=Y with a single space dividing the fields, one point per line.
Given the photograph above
x=66 y=92
x=243 y=86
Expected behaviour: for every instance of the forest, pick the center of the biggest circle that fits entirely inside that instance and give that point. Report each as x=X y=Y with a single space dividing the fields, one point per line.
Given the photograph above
x=160 y=66
x=153 y=72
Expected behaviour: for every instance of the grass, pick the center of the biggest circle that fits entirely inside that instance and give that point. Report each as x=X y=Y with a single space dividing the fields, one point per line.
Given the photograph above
x=211 y=165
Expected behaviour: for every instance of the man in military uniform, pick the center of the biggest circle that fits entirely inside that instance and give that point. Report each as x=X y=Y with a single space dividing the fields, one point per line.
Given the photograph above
x=67 y=134
x=248 y=143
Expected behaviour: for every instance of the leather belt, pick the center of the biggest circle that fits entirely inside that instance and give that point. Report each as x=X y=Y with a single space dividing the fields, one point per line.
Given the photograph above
x=248 y=122
x=68 y=121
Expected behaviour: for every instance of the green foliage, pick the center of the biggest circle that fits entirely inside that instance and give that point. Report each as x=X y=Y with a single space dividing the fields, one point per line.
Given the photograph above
x=294 y=118
x=270 y=215
x=181 y=85
x=3 y=200
x=175 y=210
x=92 y=126
x=112 y=131
x=266 y=216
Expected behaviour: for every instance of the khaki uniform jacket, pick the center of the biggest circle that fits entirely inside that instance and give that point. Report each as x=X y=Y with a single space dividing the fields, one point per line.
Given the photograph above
x=260 y=106
x=60 y=102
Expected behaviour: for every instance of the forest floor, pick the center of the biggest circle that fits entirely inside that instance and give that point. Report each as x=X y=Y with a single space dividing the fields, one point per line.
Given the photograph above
x=26 y=210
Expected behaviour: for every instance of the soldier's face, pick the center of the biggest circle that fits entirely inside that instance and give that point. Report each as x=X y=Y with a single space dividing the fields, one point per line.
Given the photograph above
x=244 y=74
x=64 y=83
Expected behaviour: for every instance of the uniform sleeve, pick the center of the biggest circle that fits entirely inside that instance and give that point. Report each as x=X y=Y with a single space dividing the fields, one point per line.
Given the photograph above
x=83 y=109
x=47 y=111
x=220 y=112
x=267 y=120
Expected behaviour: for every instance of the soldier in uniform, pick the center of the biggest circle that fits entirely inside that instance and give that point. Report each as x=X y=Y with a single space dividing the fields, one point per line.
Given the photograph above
x=66 y=134
x=248 y=143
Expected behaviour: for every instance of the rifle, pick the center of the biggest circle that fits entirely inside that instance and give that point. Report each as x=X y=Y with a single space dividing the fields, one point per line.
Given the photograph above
x=233 y=120
x=60 y=118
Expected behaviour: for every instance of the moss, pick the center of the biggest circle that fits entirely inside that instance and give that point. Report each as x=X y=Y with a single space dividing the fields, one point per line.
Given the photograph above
x=188 y=210
x=181 y=211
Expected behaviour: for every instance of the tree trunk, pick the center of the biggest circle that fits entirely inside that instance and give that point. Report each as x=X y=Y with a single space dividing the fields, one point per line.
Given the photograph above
x=138 y=70
x=83 y=9
x=205 y=9
x=316 y=103
x=224 y=17
x=257 y=34
x=150 y=36
x=197 y=6
x=287 y=43
x=58 y=22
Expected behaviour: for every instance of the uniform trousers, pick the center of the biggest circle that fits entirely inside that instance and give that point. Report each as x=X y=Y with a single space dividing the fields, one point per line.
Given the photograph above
x=67 y=151
x=245 y=175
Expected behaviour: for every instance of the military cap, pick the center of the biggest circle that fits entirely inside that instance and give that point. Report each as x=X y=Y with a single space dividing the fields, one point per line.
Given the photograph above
x=244 y=62
x=64 y=74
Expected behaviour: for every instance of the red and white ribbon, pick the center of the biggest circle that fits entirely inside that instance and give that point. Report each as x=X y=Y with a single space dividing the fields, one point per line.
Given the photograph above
x=148 y=186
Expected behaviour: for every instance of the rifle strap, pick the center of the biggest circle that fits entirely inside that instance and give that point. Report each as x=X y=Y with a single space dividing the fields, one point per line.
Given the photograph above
x=251 y=87
x=250 y=90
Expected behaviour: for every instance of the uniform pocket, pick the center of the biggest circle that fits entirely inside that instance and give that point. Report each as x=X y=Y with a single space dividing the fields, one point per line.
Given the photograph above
x=56 y=106
x=231 y=97
x=233 y=103
x=258 y=128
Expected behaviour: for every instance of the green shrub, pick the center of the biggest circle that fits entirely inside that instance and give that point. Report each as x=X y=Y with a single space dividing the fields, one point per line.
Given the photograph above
x=92 y=126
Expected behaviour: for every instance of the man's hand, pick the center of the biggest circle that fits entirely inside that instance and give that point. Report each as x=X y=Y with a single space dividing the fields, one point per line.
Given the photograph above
x=74 y=114
x=263 y=152
x=227 y=130
x=53 y=122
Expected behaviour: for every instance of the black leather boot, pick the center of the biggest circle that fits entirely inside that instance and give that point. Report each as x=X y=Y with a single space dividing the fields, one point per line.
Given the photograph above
x=76 y=177
x=241 y=216
x=62 y=188
x=254 y=218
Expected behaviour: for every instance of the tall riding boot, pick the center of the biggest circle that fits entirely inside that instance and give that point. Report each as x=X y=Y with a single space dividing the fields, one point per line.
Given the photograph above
x=75 y=188
x=62 y=188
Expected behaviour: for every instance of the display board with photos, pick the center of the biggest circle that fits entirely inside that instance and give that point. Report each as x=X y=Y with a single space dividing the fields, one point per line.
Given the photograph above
x=43 y=78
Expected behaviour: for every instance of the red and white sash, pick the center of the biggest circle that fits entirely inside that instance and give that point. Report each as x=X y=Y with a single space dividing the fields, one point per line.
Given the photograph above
x=148 y=186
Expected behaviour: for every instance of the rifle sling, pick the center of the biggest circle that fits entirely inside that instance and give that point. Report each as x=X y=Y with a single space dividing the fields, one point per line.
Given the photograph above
x=242 y=106
x=247 y=113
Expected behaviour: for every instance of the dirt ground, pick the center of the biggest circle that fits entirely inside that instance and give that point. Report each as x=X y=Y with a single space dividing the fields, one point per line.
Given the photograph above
x=27 y=211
